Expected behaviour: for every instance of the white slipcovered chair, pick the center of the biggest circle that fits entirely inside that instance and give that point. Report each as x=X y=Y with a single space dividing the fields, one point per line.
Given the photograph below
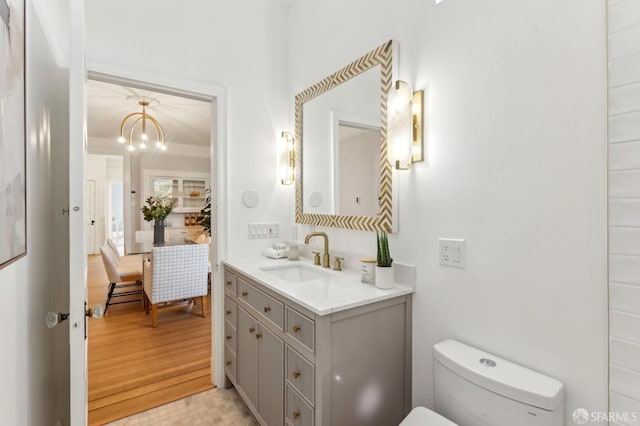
x=174 y=273
x=133 y=261
x=120 y=277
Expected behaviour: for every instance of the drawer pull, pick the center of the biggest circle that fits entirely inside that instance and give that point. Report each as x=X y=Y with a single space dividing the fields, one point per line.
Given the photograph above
x=228 y=337
x=244 y=293
x=295 y=374
x=228 y=362
x=228 y=312
x=295 y=328
x=228 y=282
x=295 y=414
x=251 y=330
x=266 y=309
x=258 y=335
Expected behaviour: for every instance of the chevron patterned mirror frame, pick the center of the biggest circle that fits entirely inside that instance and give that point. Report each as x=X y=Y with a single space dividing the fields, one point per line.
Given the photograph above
x=384 y=221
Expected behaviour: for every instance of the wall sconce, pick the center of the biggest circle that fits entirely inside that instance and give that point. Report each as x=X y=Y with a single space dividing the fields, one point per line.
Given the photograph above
x=405 y=139
x=287 y=158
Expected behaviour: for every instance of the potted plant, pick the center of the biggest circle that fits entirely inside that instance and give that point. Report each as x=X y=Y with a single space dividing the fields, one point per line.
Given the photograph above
x=157 y=209
x=384 y=270
x=204 y=218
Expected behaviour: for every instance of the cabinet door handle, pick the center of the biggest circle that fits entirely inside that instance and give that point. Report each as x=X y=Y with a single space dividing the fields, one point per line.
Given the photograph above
x=252 y=329
x=228 y=362
x=228 y=337
x=258 y=335
x=228 y=282
x=295 y=374
x=266 y=309
x=295 y=328
x=244 y=293
x=228 y=312
x=295 y=414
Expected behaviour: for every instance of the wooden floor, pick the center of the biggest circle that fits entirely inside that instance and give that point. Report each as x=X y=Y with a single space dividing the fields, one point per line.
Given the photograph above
x=134 y=367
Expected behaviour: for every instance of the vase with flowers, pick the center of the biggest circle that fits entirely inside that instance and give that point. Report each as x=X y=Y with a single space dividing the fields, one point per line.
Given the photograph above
x=157 y=209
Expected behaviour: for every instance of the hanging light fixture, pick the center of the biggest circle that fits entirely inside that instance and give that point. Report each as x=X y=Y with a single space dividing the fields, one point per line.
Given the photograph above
x=131 y=121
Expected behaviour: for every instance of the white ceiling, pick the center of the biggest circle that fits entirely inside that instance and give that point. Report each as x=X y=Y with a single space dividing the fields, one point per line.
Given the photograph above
x=183 y=120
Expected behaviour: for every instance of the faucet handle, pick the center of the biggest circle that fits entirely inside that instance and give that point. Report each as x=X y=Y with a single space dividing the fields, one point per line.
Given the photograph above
x=316 y=258
x=337 y=264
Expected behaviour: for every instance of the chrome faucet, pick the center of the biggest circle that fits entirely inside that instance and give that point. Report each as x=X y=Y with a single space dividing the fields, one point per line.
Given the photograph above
x=325 y=256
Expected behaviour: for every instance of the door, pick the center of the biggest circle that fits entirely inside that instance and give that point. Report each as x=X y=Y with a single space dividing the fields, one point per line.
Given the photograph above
x=90 y=216
x=270 y=377
x=248 y=356
x=77 y=218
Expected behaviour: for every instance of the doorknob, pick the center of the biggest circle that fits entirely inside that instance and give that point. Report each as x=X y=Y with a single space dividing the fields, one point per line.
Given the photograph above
x=55 y=318
x=96 y=312
x=93 y=222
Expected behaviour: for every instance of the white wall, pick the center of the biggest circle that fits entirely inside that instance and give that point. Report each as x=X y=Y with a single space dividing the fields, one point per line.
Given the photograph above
x=515 y=164
x=34 y=359
x=624 y=204
x=239 y=46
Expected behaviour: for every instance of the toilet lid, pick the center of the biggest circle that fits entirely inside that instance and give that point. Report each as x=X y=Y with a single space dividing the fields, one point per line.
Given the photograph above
x=421 y=416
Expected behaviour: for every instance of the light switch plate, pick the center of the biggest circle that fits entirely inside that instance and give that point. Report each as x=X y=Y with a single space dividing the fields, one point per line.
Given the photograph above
x=452 y=252
x=264 y=230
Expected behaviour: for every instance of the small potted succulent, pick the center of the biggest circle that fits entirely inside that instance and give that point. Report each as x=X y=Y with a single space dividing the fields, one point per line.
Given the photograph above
x=157 y=209
x=384 y=270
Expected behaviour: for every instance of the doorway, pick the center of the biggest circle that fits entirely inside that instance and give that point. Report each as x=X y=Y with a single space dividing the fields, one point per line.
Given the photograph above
x=115 y=213
x=123 y=200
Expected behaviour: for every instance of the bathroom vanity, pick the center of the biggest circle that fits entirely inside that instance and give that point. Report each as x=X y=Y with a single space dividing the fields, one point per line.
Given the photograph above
x=305 y=345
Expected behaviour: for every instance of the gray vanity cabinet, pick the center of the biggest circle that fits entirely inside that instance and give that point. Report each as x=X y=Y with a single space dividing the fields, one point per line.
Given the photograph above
x=294 y=367
x=260 y=368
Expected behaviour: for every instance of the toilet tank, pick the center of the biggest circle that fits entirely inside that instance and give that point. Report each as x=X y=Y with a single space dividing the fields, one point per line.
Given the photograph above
x=474 y=388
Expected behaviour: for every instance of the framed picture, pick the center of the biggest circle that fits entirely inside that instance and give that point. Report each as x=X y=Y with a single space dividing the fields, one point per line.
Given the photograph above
x=13 y=204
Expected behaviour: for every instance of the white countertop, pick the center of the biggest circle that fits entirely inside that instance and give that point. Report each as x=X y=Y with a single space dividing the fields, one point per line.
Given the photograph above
x=336 y=292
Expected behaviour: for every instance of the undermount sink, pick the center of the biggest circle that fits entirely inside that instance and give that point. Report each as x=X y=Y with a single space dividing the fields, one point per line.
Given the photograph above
x=296 y=272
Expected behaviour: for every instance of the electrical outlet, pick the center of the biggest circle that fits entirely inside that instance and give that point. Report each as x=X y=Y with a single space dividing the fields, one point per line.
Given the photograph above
x=452 y=252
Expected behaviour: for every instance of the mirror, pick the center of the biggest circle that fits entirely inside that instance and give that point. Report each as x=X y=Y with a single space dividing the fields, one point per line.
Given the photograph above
x=343 y=177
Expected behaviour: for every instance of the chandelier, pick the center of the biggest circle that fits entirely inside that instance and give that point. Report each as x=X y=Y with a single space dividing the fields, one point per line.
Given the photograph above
x=130 y=122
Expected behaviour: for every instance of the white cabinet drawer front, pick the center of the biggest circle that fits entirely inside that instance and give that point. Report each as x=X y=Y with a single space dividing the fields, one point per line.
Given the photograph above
x=267 y=306
x=300 y=374
x=230 y=364
x=230 y=336
x=301 y=328
x=299 y=413
x=230 y=283
x=230 y=311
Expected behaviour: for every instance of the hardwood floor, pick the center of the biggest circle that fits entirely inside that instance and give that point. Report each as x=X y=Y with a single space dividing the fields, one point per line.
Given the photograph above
x=134 y=367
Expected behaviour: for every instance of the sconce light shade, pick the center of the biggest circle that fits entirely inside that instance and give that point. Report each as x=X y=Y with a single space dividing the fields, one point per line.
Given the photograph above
x=286 y=158
x=404 y=137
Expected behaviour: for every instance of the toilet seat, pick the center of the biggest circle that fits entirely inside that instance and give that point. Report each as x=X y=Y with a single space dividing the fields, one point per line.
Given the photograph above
x=421 y=416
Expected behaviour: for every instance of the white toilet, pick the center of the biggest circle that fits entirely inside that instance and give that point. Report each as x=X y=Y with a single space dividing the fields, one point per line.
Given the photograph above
x=474 y=388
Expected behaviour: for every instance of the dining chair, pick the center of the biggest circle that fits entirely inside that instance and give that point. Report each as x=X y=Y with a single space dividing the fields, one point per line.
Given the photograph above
x=120 y=277
x=175 y=273
x=129 y=260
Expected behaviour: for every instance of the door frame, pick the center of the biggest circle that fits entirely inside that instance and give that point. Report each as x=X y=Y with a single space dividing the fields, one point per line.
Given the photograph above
x=217 y=96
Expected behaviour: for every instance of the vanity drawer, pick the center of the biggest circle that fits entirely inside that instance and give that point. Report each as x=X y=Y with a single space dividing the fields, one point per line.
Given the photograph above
x=266 y=305
x=230 y=336
x=298 y=412
x=230 y=364
x=300 y=374
x=230 y=283
x=301 y=328
x=230 y=311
